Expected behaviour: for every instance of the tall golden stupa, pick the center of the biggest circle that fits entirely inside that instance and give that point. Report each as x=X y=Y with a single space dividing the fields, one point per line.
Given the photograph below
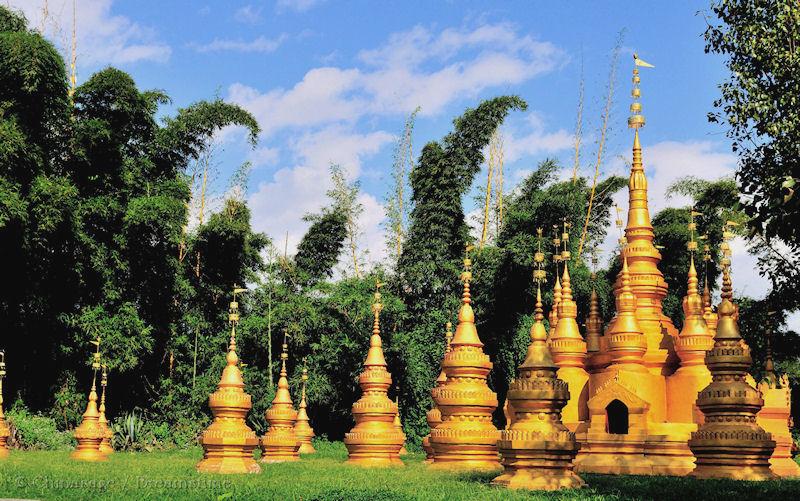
x=374 y=440
x=105 y=445
x=434 y=416
x=537 y=449
x=466 y=438
x=730 y=444
x=228 y=443
x=5 y=432
x=281 y=443
x=302 y=427
x=632 y=416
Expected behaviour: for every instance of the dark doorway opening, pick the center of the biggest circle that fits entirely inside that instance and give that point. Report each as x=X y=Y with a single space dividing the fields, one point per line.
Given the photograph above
x=617 y=418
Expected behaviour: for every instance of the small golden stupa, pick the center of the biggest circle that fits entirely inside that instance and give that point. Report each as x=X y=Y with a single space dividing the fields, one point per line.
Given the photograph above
x=228 y=443
x=374 y=440
x=568 y=348
x=398 y=426
x=434 y=416
x=89 y=434
x=730 y=444
x=466 y=438
x=537 y=449
x=281 y=443
x=302 y=427
x=105 y=444
x=5 y=432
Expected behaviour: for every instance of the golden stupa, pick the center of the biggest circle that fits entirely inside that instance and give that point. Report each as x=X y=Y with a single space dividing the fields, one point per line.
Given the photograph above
x=228 y=443
x=466 y=438
x=5 y=432
x=398 y=426
x=434 y=416
x=89 y=434
x=281 y=443
x=106 y=446
x=730 y=444
x=374 y=440
x=637 y=411
x=537 y=449
x=302 y=427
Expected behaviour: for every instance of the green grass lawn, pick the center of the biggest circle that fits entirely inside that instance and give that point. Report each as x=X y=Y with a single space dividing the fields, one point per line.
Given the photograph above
x=171 y=475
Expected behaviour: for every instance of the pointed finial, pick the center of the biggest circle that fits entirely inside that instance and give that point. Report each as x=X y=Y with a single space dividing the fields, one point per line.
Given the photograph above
x=636 y=120
x=466 y=276
x=692 y=244
x=448 y=336
x=375 y=354
x=565 y=254
x=539 y=273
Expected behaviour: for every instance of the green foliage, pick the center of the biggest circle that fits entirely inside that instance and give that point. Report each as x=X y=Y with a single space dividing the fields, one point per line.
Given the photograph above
x=319 y=250
x=36 y=432
x=759 y=105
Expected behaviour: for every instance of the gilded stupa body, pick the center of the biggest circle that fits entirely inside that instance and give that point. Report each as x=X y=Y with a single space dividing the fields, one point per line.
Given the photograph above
x=537 y=449
x=89 y=434
x=398 y=426
x=775 y=418
x=281 y=443
x=374 y=440
x=228 y=443
x=5 y=432
x=302 y=427
x=730 y=444
x=466 y=438
x=434 y=416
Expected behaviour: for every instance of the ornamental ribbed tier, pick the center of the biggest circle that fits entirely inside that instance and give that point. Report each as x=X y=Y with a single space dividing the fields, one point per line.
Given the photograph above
x=89 y=434
x=434 y=416
x=466 y=438
x=537 y=449
x=568 y=350
x=302 y=427
x=730 y=444
x=374 y=440
x=228 y=443
x=280 y=443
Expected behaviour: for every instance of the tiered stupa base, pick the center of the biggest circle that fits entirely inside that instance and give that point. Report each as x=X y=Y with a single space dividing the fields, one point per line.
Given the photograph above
x=538 y=462
x=742 y=456
x=457 y=449
x=228 y=449
x=280 y=447
x=774 y=418
x=379 y=448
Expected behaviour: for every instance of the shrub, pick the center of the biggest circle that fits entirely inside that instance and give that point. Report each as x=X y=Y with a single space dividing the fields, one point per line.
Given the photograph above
x=34 y=431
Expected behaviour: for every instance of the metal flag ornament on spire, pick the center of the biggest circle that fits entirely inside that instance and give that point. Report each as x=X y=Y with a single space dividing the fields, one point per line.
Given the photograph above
x=434 y=416
x=5 y=432
x=281 y=443
x=730 y=444
x=105 y=445
x=302 y=427
x=466 y=438
x=374 y=441
x=89 y=434
x=228 y=443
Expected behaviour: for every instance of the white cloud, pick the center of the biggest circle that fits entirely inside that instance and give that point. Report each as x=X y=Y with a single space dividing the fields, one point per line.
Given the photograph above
x=261 y=44
x=102 y=37
x=264 y=156
x=278 y=205
x=248 y=15
x=297 y=5
x=535 y=142
x=414 y=68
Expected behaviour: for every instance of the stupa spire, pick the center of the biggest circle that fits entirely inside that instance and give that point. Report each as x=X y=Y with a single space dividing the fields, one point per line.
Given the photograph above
x=627 y=343
x=708 y=313
x=228 y=443
x=466 y=438
x=302 y=427
x=374 y=441
x=730 y=444
x=89 y=434
x=108 y=435
x=647 y=281
x=5 y=432
x=537 y=449
x=553 y=316
x=281 y=443
x=434 y=416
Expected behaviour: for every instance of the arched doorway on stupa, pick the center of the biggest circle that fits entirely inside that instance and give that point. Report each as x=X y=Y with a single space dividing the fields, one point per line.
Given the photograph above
x=617 y=418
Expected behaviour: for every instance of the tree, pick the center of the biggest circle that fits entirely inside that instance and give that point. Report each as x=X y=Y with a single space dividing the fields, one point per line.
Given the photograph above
x=758 y=103
x=345 y=200
x=396 y=205
x=428 y=269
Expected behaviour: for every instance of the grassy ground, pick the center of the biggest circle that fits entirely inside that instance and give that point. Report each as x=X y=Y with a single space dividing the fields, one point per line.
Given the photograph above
x=171 y=475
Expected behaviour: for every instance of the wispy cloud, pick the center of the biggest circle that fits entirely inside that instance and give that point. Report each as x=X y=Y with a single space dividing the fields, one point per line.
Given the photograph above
x=261 y=44
x=248 y=15
x=297 y=5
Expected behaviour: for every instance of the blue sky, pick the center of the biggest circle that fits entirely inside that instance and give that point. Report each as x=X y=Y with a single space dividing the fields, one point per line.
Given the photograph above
x=333 y=82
